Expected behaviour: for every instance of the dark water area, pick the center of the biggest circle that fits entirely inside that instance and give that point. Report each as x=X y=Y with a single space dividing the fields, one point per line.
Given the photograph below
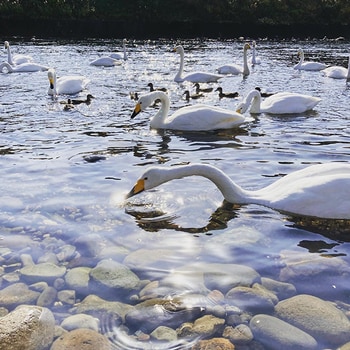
x=70 y=29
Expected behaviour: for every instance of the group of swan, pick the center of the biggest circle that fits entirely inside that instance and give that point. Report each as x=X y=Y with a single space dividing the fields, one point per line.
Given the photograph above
x=20 y=63
x=321 y=190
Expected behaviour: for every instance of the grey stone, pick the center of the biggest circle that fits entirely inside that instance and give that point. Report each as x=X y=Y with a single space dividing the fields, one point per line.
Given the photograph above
x=80 y=321
x=164 y=334
x=17 y=294
x=47 y=297
x=78 y=279
x=276 y=334
x=42 y=272
x=282 y=290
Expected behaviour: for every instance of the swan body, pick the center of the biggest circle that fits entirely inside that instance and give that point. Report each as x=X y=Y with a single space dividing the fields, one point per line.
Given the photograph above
x=23 y=67
x=310 y=65
x=279 y=103
x=337 y=72
x=119 y=56
x=14 y=60
x=198 y=117
x=321 y=190
x=69 y=84
x=237 y=69
x=105 y=62
x=196 y=77
x=254 y=59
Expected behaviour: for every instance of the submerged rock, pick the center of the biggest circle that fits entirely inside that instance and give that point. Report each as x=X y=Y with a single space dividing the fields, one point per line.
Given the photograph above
x=17 y=294
x=27 y=327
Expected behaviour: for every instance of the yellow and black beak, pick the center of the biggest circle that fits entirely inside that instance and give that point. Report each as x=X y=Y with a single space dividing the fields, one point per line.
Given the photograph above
x=51 y=83
x=136 y=111
x=139 y=187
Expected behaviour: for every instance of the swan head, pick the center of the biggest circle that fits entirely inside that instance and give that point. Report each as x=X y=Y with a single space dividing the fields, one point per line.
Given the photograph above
x=300 y=52
x=253 y=43
x=51 y=74
x=151 y=178
x=179 y=49
x=146 y=101
x=246 y=47
x=7 y=44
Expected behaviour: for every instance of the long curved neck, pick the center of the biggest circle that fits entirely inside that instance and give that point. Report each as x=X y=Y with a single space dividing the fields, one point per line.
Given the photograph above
x=230 y=190
x=124 y=49
x=348 y=76
x=301 y=60
x=245 y=63
x=9 y=56
x=254 y=100
x=253 y=55
x=178 y=76
x=7 y=66
x=159 y=120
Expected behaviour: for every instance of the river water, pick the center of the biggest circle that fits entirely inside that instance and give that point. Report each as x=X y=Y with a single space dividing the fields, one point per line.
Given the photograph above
x=65 y=174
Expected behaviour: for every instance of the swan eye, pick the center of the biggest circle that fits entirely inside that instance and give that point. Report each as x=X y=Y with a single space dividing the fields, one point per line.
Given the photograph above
x=145 y=178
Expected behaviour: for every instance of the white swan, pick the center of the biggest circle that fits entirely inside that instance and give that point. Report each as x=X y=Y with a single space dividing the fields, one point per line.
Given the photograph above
x=105 y=62
x=337 y=72
x=16 y=59
x=196 y=77
x=254 y=59
x=279 y=103
x=69 y=84
x=321 y=190
x=198 y=117
x=235 y=68
x=23 y=67
x=309 y=65
x=119 y=56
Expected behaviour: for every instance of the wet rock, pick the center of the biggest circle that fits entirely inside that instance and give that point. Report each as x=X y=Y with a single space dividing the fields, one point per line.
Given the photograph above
x=282 y=290
x=66 y=252
x=27 y=327
x=150 y=314
x=17 y=294
x=81 y=339
x=255 y=300
x=345 y=347
x=319 y=318
x=89 y=245
x=47 y=297
x=95 y=305
x=227 y=276
x=109 y=277
x=214 y=344
x=78 y=279
x=276 y=334
x=80 y=321
x=66 y=296
x=207 y=325
x=164 y=334
x=42 y=272
x=314 y=274
x=238 y=335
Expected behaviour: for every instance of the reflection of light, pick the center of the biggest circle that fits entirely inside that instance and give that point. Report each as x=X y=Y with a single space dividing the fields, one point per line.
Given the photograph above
x=117 y=199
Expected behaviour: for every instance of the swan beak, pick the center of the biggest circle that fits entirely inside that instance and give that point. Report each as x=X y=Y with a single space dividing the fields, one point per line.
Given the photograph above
x=239 y=110
x=139 y=187
x=136 y=111
x=51 y=83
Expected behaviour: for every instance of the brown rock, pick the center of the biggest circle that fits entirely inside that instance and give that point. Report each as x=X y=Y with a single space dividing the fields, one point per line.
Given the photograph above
x=214 y=344
x=81 y=339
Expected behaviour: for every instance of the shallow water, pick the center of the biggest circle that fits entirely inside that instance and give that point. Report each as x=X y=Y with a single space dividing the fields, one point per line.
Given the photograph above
x=56 y=166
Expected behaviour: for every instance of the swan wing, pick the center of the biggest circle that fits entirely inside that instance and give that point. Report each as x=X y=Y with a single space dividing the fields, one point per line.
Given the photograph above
x=312 y=66
x=288 y=102
x=29 y=67
x=335 y=72
x=202 y=117
x=321 y=190
x=202 y=77
x=105 y=62
x=71 y=84
x=230 y=69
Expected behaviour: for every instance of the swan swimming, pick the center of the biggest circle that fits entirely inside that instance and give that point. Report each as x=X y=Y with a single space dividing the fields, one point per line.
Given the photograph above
x=321 y=190
x=235 y=68
x=309 y=65
x=198 y=117
x=279 y=103
x=26 y=67
x=69 y=84
x=14 y=60
x=337 y=72
x=195 y=77
x=254 y=59
x=105 y=62
x=119 y=56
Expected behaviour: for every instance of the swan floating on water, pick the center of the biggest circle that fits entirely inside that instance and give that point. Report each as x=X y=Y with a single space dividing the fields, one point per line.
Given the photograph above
x=309 y=65
x=26 y=67
x=321 y=190
x=337 y=72
x=195 y=77
x=105 y=62
x=198 y=117
x=279 y=103
x=235 y=68
x=14 y=60
x=69 y=84
x=254 y=59
x=119 y=56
